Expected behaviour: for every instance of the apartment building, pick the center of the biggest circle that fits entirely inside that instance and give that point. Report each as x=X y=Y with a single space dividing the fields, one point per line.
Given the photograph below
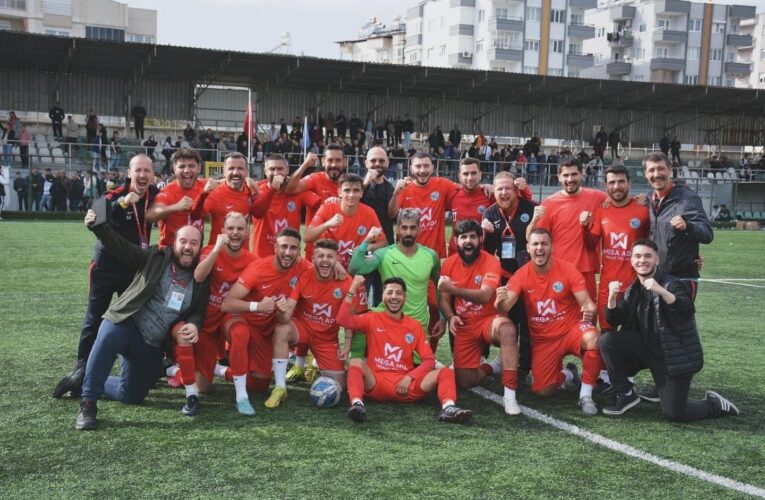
x=670 y=41
x=542 y=37
x=95 y=19
x=376 y=42
x=754 y=29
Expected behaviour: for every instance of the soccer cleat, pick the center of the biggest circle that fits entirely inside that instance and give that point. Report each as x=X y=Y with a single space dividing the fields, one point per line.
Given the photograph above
x=278 y=394
x=73 y=382
x=725 y=406
x=191 y=408
x=649 y=394
x=244 y=407
x=622 y=403
x=295 y=374
x=588 y=406
x=511 y=406
x=455 y=414
x=174 y=382
x=603 y=388
x=86 y=417
x=577 y=381
x=524 y=380
x=312 y=372
x=357 y=412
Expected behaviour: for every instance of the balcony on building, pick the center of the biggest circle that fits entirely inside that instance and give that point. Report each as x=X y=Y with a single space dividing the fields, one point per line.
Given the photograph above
x=463 y=3
x=672 y=7
x=742 y=11
x=622 y=12
x=667 y=64
x=461 y=29
x=415 y=12
x=506 y=54
x=738 y=68
x=583 y=4
x=505 y=24
x=413 y=40
x=618 y=68
x=579 y=30
x=670 y=36
x=579 y=60
x=739 y=40
x=620 y=40
x=465 y=58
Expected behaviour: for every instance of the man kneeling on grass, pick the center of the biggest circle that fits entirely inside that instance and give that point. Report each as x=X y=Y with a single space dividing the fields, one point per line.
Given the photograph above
x=389 y=374
x=163 y=295
x=658 y=332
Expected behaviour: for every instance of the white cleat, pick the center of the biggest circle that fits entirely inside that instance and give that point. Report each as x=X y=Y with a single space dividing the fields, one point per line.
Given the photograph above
x=511 y=406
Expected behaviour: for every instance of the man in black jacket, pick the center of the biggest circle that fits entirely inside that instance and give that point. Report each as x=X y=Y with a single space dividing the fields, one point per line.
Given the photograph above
x=56 y=115
x=658 y=332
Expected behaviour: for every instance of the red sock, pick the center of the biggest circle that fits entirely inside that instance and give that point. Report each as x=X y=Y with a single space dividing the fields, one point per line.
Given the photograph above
x=486 y=369
x=229 y=375
x=591 y=365
x=238 y=355
x=259 y=385
x=510 y=378
x=355 y=382
x=447 y=385
x=184 y=355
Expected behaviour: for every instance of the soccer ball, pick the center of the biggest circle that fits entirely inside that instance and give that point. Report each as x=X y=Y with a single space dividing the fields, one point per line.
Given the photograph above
x=325 y=392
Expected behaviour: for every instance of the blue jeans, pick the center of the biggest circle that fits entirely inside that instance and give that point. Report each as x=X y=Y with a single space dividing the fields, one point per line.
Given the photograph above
x=141 y=364
x=7 y=155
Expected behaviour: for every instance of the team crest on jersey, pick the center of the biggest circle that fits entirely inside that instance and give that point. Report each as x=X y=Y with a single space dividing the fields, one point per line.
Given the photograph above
x=291 y=206
x=435 y=195
x=409 y=337
x=524 y=218
x=337 y=293
x=362 y=230
x=293 y=282
x=477 y=279
x=557 y=287
x=635 y=223
x=481 y=209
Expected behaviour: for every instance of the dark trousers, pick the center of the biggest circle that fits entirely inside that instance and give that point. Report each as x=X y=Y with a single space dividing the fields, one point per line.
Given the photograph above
x=520 y=319
x=36 y=200
x=373 y=285
x=139 y=128
x=103 y=285
x=625 y=354
x=140 y=364
x=23 y=201
x=24 y=153
x=58 y=130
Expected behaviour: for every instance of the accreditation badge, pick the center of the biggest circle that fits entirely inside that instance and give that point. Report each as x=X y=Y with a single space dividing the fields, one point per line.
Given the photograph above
x=175 y=300
x=508 y=247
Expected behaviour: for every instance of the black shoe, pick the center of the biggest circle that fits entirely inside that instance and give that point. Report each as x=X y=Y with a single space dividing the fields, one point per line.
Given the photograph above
x=650 y=394
x=576 y=383
x=357 y=412
x=622 y=403
x=86 y=417
x=455 y=414
x=725 y=406
x=524 y=380
x=603 y=388
x=191 y=408
x=72 y=382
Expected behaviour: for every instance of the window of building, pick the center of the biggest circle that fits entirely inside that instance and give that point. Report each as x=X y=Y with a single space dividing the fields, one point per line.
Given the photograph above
x=694 y=53
x=413 y=57
x=730 y=56
x=139 y=38
x=101 y=33
x=479 y=46
x=5 y=25
x=729 y=82
x=530 y=70
x=58 y=32
x=638 y=78
x=734 y=24
x=481 y=15
x=557 y=46
x=442 y=50
x=715 y=55
x=691 y=79
x=532 y=45
x=574 y=48
x=557 y=16
x=601 y=32
x=762 y=78
x=501 y=13
x=694 y=25
x=555 y=72
x=598 y=59
x=641 y=54
x=533 y=13
x=714 y=80
x=573 y=74
x=718 y=28
x=660 y=52
x=662 y=23
x=13 y=5
x=641 y=28
x=577 y=19
x=507 y=40
x=57 y=7
x=762 y=54
x=430 y=53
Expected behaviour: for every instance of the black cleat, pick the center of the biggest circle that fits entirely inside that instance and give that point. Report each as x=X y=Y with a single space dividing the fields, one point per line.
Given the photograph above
x=576 y=383
x=191 y=408
x=725 y=406
x=650 y=394
x=73 y=382
x=86 y=417
x=455 y=414
x=622 y=403
x=603 y=388
x=357 y=412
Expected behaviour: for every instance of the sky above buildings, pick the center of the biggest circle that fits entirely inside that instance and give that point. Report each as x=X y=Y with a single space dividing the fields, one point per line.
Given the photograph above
x=258 y=26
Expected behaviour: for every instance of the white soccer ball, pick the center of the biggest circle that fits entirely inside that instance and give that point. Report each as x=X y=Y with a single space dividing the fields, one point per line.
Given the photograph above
x=325 y=392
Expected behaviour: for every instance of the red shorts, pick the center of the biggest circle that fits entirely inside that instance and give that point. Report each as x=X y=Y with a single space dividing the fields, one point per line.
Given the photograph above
x=385 y=388
x=470 y=341
x=547 y=355
x=323 y=348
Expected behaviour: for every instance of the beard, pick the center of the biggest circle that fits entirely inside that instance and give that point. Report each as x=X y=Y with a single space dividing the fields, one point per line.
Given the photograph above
x=194 y=262
x=468 y=258
x=408 y=241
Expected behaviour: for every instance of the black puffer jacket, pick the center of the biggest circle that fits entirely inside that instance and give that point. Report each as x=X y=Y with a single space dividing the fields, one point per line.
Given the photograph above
x=674 y=323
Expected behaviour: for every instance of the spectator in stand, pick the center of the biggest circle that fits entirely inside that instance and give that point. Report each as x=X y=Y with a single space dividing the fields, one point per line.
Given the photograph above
x=724 y=214
x=379 y=135
x=114 y=150
x=76 y=190
x=329 y=128
x=592 y=170
x=150 y=144
x=341 y=124
x=91 y=127
x=408 y=130
x=104 y=141
x=72 y=132
x=390 y=131
x=58 y=191
x=56 y=115
x=139 y=115
x=599 y=144
x=436 y=141
x=189 y=134
x=36 y=184
x=520 y=164
x=455 y=137
x=283 y=130
x=90 y=190
x=674 y=148
x=24 y=139
x=4 y=187
x=613 y=143
x=535 y=145
x=746 y=173
x=167 y=151
x=398 y=130
x=664 y=144
x=21 y=186
x=370 y=127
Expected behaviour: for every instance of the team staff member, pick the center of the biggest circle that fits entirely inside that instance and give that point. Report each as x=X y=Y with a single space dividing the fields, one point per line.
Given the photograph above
x=128 y=205
x=163 y=295
x=560 y=313
x=389 y=374
x=172 y=208
x=658 y=332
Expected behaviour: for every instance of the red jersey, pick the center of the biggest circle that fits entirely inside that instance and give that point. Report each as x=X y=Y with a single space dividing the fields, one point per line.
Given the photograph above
x=568 y=235
x=433 y=200
x=549 y=298
x=220 y=202
x=263 y=280
x=350 y=233
x=225 y=272
x=283 y=212
x=318 y=302
x=618 y=228
x=485 y=270
x=170 y=195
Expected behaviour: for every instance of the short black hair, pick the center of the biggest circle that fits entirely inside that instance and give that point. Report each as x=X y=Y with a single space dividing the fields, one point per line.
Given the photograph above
x=289 y=231
x=541 y=230
x=646 y=242
x=467 y=226
x=395 y=280
x=571 y=162
x=350 y=179
x=326 y=244
x=618 y=170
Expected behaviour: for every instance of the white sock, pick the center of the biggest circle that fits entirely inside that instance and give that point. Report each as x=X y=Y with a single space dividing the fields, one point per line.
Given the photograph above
x=567 y=373
x=300 y=361
x=280 y=372
x=604 y=376
x=447 y=403
x=509 y=393
x=496 y=366
x=172 y=370
x=240 y=386
x=220 y=370
x=585 y=390
x=191 y=390
x=357 y=400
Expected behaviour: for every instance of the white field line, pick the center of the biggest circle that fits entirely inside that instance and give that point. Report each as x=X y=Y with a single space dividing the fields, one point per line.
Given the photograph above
x=628 y=450
x=731 y=282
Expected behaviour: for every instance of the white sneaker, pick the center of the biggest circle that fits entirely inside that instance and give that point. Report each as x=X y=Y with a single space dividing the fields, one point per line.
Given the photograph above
x=588 y=406
x=511 y=406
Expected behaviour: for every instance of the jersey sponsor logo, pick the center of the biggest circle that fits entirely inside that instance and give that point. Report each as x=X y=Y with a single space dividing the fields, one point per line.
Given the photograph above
x=393 y=352
x=293 y=282
x=280 y=224
x=546 y=307
x=322 y=310
x=229 y=207
x=481 y=209
x=585 y=326
x=619 y=240
x=634 y=223
x=362 y=230
x=337 y=293
x=426 y=215
x=525 y=218
x=224 y=288
x=291 y=206
x=409 y=337
x=263 y=287
x=435 y=195
x=344 y=247
x=477 y=279
x=557 y=287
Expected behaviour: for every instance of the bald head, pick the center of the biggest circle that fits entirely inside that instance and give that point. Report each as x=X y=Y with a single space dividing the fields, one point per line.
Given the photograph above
x=141 y=173
x=188 y=242
x=377 y=160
